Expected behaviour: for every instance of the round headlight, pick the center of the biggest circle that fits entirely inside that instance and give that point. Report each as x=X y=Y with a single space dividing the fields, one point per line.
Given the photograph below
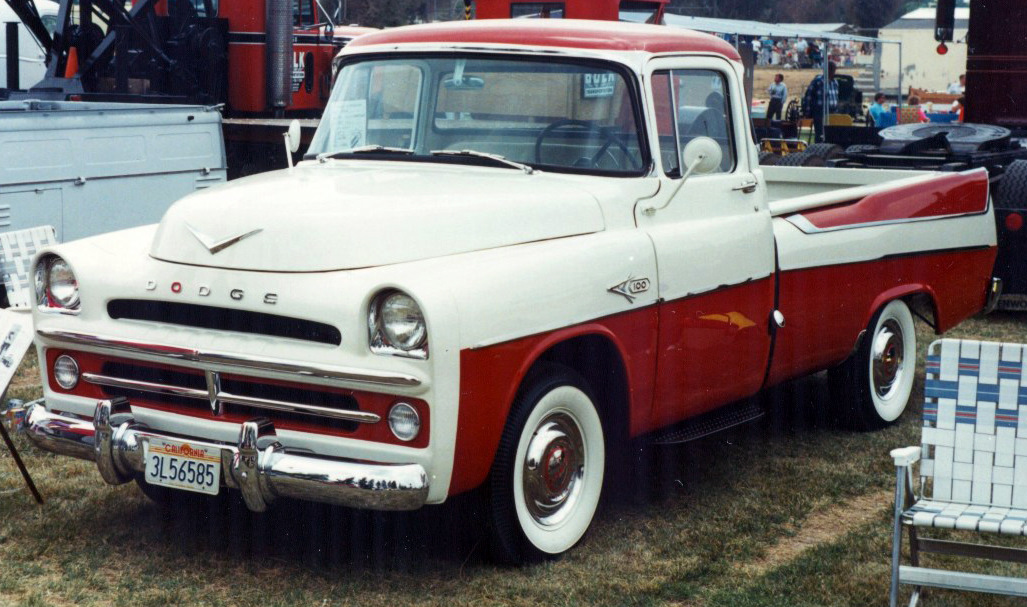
x=61 y=284
x=404 y=422
x=402 y=321
x=65 y=372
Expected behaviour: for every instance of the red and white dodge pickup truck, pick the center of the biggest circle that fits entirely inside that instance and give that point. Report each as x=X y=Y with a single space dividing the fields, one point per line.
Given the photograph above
x=512 y=247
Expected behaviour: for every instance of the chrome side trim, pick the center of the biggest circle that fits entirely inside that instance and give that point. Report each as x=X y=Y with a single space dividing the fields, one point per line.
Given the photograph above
x=275 y=405
x=807 y=227
x=362 y=376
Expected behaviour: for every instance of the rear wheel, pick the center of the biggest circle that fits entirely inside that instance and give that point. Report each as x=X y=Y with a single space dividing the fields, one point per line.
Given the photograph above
x=873 y=387
x=548 y=472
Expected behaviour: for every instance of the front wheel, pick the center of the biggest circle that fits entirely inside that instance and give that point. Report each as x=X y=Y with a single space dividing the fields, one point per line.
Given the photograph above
x=547 y=475
x=873 y=387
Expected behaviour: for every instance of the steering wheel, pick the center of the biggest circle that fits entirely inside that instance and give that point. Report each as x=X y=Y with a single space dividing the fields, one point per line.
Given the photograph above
x=610 y=140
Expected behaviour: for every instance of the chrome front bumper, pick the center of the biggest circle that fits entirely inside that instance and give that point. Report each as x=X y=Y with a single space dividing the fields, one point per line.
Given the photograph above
x=257 y=465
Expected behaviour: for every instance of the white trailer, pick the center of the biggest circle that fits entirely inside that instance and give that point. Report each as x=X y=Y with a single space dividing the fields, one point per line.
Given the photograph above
x=89 y=168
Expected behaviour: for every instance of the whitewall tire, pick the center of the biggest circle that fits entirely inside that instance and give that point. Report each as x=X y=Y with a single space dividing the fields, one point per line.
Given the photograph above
x=873 y=387
x=547 y=477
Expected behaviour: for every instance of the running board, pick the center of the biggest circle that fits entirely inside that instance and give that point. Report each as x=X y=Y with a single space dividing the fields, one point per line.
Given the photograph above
x=710 y=423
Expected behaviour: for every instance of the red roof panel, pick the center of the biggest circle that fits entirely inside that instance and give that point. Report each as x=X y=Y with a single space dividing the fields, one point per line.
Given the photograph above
x=569 y=33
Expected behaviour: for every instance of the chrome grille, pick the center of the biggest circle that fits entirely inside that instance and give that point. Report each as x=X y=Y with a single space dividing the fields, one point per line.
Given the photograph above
x=217 y=394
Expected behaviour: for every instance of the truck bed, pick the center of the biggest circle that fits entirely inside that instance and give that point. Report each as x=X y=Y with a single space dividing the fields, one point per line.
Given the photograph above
x=823 y=186
x=850 y=239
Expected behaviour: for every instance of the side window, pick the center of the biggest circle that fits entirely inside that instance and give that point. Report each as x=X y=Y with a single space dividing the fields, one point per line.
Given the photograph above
x=666 y=123
x=698 y=105
x=538 y=10
x=303 y=13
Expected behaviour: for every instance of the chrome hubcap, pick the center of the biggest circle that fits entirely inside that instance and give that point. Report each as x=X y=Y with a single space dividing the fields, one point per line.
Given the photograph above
x=554 y=465
x=887 y=358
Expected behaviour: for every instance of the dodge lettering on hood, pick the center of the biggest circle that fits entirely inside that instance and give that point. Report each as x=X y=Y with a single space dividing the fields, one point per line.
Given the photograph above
x=511 y=248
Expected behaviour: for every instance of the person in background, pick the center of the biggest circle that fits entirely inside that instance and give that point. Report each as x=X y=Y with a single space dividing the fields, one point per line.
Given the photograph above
x=914 y=102
x=958 y=88
x=801 y=56
x=959 y=106
x=813 y=99
x=816 y=56
x=877 y=108
x=778 y=93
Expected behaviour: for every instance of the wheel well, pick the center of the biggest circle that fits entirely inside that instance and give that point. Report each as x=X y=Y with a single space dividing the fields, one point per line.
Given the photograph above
x=598 y=361
x=923 y=306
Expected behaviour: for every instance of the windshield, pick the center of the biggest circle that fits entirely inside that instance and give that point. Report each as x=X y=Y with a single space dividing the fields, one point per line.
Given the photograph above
x=573 y=117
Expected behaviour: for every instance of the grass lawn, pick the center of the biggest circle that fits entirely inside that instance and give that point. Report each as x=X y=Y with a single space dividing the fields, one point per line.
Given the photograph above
x=786 y=511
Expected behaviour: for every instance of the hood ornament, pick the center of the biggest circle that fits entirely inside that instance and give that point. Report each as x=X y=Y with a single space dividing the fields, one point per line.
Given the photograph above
x=216 y=246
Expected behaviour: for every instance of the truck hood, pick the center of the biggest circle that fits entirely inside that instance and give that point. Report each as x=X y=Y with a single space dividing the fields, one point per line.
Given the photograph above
x=358 y=214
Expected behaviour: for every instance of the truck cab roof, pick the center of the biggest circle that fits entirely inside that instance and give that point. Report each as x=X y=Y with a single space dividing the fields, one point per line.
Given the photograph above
x=571 y=33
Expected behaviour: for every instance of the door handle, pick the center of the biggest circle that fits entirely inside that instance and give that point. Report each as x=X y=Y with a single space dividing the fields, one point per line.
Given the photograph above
x=748 y=186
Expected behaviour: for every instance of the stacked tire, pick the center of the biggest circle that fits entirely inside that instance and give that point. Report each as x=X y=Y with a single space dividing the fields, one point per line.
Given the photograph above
x=802 y=159
x=1012 y=190
x=827 y=151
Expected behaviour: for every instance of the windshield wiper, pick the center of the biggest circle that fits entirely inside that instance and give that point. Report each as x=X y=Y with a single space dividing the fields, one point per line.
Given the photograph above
x=365 y=149
x=493 y=157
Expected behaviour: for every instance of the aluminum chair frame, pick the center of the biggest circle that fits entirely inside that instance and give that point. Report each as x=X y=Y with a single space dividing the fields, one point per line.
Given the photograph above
x=973 y=462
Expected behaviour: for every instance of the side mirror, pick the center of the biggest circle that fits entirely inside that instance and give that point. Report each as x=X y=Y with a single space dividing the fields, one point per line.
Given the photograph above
x=294 y=136
x=292 y=140
x=701 y=155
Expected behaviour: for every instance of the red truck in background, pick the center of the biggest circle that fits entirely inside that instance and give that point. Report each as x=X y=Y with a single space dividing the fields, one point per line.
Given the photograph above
x=610 y=10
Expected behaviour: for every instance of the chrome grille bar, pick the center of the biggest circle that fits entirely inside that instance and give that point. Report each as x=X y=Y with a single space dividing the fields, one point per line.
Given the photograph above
x=363 y=376
x=247 y=401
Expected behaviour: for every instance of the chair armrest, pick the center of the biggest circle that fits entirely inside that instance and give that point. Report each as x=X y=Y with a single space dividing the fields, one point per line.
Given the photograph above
x=906 y=456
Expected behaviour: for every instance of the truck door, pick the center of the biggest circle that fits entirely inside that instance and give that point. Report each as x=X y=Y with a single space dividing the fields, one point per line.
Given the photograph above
x=713 y=240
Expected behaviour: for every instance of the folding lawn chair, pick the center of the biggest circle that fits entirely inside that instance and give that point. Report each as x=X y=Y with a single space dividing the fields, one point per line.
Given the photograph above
x=973 y=465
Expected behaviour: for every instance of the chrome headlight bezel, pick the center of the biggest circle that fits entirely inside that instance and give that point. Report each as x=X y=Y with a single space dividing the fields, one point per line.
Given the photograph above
x=56 y=286
x=385 y=340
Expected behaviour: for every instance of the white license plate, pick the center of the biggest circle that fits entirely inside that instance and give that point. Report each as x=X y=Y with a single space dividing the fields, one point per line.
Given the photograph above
x=180 y=465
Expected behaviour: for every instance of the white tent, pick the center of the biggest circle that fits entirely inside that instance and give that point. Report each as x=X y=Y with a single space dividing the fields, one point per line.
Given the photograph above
x=740 y=27
x=921 y=65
